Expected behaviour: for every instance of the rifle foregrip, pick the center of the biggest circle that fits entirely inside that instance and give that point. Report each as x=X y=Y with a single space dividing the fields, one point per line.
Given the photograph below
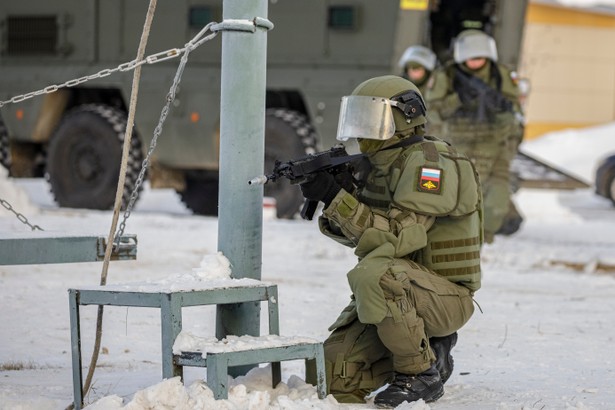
x=308 y=210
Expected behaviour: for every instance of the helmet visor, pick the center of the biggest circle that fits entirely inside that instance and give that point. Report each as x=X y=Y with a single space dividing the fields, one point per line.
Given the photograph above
x=365 y=117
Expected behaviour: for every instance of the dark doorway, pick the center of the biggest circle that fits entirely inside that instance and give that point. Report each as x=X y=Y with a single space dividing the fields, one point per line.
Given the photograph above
x=449 y=17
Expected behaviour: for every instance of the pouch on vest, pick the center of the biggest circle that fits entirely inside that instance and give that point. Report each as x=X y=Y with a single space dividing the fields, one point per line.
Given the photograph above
x=439 y=183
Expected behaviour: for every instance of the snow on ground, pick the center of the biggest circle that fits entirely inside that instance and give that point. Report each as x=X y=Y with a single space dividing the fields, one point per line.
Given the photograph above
x=577 y=153
x=543 y=340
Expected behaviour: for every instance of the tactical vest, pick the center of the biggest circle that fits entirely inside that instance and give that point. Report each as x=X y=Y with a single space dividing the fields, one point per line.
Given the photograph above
x=436 y=181
x=458 y=127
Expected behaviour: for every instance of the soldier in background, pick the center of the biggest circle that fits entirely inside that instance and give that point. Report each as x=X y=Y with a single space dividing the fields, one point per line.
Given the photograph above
x=417 y=63
x=474 y=104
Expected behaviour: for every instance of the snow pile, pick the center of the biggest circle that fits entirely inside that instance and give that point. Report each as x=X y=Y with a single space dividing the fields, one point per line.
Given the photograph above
x=214 y=273
x=213 y=267
x=576 y=151
x=252 y=391
x=187 y=342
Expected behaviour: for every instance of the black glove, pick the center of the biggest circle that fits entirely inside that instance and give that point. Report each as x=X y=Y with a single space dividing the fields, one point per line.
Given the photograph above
x=345 y=180
x=320 y=187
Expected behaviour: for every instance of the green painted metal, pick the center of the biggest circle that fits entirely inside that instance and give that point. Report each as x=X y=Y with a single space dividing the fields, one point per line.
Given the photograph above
x=75 y=341
x=42 y=247
x=170 y=304
x=218 y=364
x=242 y=150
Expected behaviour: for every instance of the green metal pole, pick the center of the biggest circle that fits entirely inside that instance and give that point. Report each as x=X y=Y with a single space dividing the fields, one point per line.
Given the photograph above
x=242 y=130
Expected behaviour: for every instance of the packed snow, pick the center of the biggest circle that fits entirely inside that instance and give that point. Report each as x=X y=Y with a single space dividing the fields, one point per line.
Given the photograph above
x=542 y=340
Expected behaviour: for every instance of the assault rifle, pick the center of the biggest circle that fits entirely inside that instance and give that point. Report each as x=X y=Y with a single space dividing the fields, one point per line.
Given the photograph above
x=335 y=161
x=490 y=100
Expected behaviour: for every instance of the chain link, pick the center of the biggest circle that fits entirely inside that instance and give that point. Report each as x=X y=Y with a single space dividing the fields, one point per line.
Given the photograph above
x=196 y=41
x=191 y=45
x=130 y=65
x=127 y=66
x=19 y=216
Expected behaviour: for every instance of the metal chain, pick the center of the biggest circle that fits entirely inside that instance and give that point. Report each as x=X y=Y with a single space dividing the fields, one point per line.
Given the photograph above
x=196 y=41
x=128 y=66
x=190 y=46
x=19 y=216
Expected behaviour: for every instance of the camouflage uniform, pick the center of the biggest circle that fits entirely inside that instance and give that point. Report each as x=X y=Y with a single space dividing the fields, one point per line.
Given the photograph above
x=416 y=227
x=487 y=128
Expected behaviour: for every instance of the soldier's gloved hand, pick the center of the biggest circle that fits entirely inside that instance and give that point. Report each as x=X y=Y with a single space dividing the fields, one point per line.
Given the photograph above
x=320 y=187
x=345 y=180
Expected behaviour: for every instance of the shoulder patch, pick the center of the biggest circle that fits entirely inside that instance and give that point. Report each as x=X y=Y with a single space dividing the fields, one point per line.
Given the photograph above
x=430 y=180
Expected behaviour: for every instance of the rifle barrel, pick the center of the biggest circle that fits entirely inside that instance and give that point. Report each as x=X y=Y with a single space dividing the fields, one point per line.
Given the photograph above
x=259 y=180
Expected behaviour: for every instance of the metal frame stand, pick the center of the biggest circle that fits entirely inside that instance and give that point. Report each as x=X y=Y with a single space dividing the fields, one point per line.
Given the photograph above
x=170 y=304
x=33 y=248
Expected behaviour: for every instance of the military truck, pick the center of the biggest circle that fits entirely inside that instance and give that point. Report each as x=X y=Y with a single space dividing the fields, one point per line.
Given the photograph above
x=317 y=52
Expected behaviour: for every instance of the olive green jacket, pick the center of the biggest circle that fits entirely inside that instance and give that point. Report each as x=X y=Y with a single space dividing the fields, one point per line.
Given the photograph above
x=448 y=110
x=421 y=202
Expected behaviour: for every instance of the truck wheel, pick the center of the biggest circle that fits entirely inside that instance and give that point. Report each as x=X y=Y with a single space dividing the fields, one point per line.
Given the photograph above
x=84 y=158
x=288 y=135
x=5 y=147
x=201 y=195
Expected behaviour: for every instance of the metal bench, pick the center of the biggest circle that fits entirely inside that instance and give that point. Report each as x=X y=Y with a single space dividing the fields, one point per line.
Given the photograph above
x=219 y=357
x=170 y=303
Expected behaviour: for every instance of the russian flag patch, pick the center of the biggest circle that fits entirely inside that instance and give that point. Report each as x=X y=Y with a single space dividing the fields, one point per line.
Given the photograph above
x=430 y=180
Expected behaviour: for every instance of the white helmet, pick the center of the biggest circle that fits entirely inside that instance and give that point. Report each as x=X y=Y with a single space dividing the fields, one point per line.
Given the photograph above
x=420 y=55
x=474 y=44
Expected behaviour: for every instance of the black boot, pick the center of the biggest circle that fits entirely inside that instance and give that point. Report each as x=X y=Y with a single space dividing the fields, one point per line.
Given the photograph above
x=442 y=347
x=426 y=386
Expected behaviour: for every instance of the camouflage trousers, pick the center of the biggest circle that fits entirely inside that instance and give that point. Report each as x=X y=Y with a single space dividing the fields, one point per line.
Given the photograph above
x=492 y=162
x=362 y=357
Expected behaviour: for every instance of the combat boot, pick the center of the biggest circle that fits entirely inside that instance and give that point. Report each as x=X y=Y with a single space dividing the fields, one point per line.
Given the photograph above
x=442 y=347
x=404 y=387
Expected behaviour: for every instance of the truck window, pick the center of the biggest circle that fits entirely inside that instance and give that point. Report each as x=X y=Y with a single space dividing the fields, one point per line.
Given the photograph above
x=343 y=17
x=31 y=35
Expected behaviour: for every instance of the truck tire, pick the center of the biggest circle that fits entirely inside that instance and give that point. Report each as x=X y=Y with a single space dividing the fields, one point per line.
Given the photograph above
x=84 y=158
x=288 y=135
x=200 y=195
x=5 y=148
